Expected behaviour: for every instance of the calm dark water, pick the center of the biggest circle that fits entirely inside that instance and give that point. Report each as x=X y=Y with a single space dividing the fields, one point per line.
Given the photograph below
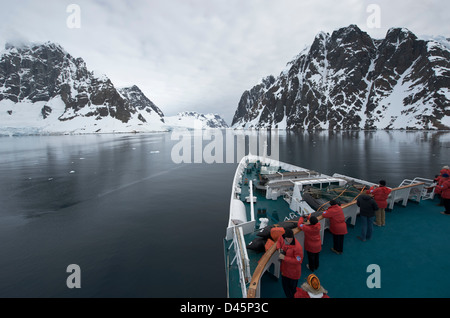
x=140 y=225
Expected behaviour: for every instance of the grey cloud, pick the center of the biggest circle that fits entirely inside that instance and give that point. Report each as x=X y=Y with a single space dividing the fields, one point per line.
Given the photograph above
x=202 y=54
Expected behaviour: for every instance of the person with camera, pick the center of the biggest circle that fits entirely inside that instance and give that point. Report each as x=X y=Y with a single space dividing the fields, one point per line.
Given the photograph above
x=291 y=257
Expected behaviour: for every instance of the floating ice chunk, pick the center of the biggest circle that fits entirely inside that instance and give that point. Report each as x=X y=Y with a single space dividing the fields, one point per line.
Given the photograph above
x=72 y=171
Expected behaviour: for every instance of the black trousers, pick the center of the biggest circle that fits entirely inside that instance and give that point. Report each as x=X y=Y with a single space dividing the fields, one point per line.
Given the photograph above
x=441 y=200
x=338 y=242
x=313 y=261
x=447 y=206
x=289 y=286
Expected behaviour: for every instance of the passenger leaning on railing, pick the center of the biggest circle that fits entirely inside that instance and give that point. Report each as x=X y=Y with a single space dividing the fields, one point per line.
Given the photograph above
x=338 y=227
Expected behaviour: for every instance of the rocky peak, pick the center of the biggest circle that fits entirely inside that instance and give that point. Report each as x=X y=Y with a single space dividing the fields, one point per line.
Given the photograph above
x=398 y=35
x=41 y=74
x=347 y=80
x=140 y=101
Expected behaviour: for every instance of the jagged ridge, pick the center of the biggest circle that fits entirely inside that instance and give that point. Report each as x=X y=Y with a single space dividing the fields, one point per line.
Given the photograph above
x=347 y=80
x=43 y=86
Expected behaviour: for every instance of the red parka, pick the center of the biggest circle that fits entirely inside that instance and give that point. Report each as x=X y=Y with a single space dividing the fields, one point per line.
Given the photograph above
x=380 y=195
x=337 y=219
x=313 y=243
x=291 y=266
x=445 y=188
x=440 y=180
x=439 y=186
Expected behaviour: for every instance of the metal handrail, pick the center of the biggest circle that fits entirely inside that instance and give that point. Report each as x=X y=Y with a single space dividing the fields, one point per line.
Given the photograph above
x=241 y=258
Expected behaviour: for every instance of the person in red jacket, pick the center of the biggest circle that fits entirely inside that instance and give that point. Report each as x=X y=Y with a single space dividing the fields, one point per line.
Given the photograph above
x=313 y=244
x=439 y=181
x=291 y=256
x=311 y=289
x=338 y=227
x=380 y=194
x=445 y=193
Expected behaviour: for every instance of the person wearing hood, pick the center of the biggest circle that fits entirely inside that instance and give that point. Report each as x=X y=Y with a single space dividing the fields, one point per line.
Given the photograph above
x=367 y=209
x=311 y=289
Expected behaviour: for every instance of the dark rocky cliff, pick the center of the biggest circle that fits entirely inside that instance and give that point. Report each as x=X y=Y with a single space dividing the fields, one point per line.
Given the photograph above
x=347 y=80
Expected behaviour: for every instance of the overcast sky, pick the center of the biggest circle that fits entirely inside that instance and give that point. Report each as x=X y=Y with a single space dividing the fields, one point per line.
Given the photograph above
x=202 y=55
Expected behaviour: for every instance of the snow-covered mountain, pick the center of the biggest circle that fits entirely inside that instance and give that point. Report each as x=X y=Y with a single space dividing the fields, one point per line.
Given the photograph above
x=347 y=80
x=43 y=89
x=194 y=120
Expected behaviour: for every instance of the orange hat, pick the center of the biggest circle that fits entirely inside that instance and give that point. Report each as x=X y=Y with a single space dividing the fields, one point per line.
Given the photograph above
x=312 y=285
x=313 y=281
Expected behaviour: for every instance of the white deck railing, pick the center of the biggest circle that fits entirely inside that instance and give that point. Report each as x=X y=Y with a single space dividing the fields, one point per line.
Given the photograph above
x=241 y=258
x=408 y=190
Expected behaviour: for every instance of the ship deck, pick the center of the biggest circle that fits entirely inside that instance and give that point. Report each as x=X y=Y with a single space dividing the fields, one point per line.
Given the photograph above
x=411 y=252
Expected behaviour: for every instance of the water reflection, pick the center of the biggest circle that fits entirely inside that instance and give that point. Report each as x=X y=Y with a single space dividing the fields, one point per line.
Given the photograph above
x=371 y=155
